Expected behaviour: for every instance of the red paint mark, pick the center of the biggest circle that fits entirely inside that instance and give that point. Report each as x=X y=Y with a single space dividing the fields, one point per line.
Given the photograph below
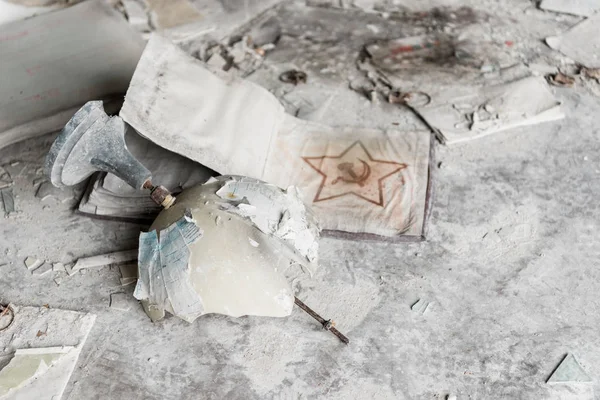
x=408 y=48
x=33 y=70
x=45 y=95
x=509 y=43
x=14 y=36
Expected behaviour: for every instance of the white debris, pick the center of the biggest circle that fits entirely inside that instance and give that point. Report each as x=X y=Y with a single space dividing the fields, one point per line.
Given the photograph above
x=253 y=242
x=274 y=211
x=32 y=263
x=524 y=102
x=43 y=270
x=128 y=274
x=581 y=43
x=584 y=8
x=569 y=371
x=136 y=15
x=421 y=306
x=69 y=269
x=41 y=372
x=105 y=259
x=59 y=267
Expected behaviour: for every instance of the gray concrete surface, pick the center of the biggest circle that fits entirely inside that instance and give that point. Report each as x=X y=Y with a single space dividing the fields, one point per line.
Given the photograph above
x=511 y=268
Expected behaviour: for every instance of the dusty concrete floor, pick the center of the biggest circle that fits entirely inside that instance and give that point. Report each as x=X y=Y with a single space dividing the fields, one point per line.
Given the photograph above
x=511 y=268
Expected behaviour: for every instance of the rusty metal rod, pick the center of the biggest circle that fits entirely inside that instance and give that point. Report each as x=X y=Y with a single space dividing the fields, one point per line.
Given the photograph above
x=327 y=324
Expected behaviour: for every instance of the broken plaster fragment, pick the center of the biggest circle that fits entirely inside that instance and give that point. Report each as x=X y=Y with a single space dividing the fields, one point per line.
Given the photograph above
x=105 y=259
x=41 y=366
x=420 y=307
x=43 y=270
x=136 y=15
x=129 y=273
x=32 y=263
x=274 y=211
x=8 y=200
x=569 y=371
x=27 y=365
x=59 y=267
x=5 y=179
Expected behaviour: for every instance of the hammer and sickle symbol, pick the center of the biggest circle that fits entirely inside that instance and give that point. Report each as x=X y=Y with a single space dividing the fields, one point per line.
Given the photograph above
x=347 y=168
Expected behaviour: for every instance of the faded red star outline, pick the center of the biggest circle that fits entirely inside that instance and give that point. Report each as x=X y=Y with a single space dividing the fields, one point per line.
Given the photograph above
x=401 y=166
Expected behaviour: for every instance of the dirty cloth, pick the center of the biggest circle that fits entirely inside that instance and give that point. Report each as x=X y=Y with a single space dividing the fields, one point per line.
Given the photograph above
x=367 y=182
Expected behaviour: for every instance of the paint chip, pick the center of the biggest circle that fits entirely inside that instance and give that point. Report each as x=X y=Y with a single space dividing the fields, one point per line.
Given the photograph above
x=59 y=267
x=569 y=371
x=43 y=270
x=420 y=306
x=8 y=200
x=32 y=263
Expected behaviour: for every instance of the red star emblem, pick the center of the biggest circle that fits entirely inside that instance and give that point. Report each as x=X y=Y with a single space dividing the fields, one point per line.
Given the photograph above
x=354 y=172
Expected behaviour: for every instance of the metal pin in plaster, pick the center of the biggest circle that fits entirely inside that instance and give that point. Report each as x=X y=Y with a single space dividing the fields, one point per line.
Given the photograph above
x=328 y=325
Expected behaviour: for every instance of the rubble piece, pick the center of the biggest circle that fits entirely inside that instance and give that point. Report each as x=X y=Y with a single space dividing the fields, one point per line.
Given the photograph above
x=129 y=273
x=69 y=269
x=584 y=8
x=591 y=73
x=171 y=13
x=59 y=267
x=580 y=43
x=293 y=76
x=105 y=259
x=41 y=372
x=276 y=212
x=27 y=365
x=58 y=281
x=420 y=307
x=136 y=15
x=569 y=371
x=457 y=116
x=32 y=263
x=43 y=270
x=8 y=200
x=43 y=97
x=217 y=62
x=5 y=179
x=120 y=301
x=560 y=79
x=127 y=281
